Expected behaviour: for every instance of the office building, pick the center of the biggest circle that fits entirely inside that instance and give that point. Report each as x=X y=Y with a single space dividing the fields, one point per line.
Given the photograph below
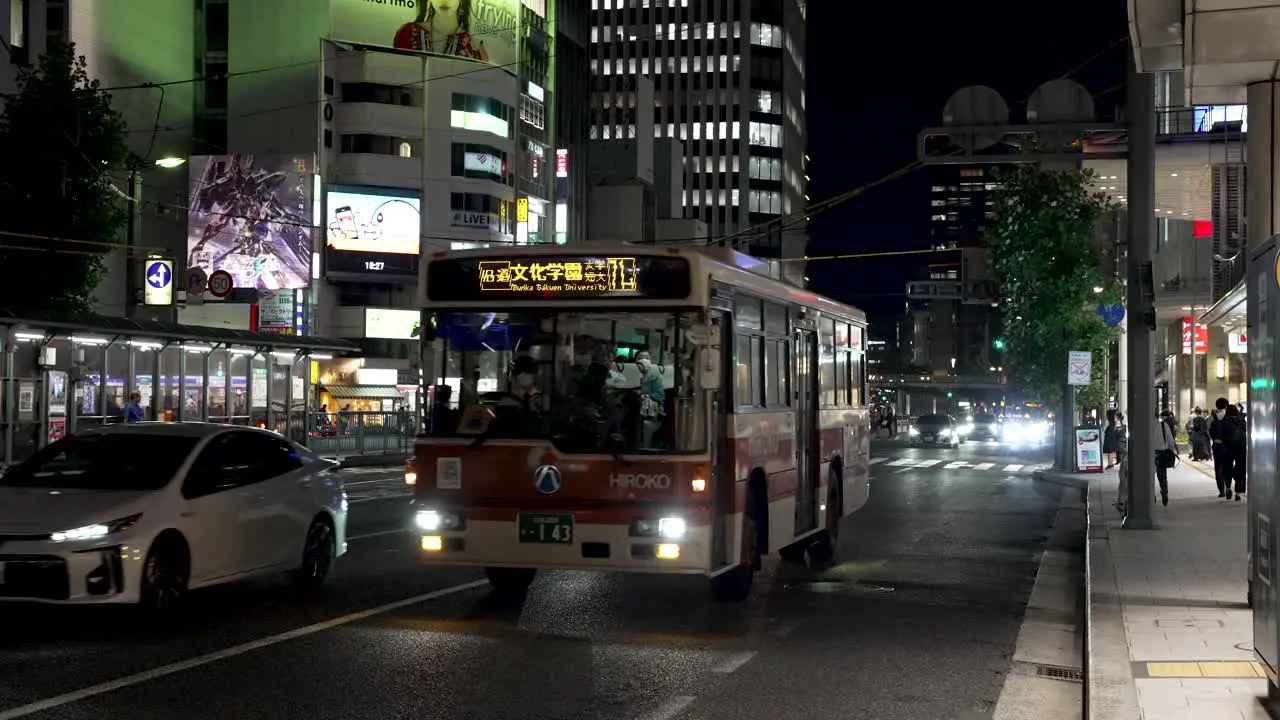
x=728 y=80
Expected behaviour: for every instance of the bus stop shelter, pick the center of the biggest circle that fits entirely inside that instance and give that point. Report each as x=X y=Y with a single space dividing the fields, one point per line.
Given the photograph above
x=62 y=373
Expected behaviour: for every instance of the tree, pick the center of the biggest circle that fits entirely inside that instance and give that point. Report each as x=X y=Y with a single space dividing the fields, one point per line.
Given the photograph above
x=1048 y=264
x=60 y=139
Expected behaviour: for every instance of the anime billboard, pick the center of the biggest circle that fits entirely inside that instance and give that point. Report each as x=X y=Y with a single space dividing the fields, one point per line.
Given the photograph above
x=251 y=216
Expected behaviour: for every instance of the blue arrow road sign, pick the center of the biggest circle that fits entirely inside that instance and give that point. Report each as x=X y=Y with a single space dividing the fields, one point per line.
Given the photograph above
x=1111 y=314
x=159 y=275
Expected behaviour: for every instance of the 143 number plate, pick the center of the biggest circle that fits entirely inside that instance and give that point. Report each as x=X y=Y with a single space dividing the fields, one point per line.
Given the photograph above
x=549 y=529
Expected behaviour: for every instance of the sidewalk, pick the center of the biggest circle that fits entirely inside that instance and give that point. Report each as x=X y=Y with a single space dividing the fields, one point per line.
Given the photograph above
x=1170 y=634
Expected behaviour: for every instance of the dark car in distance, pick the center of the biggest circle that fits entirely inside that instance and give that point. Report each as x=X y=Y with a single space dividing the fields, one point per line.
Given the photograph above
x=936 y=430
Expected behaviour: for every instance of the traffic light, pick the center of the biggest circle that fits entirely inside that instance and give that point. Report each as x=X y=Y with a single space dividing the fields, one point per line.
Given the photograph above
x=998 y=343
x=949 y=393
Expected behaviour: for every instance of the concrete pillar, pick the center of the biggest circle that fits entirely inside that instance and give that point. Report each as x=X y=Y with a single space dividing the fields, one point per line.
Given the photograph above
x=1261 y=161
x=1142 y=231
x=1122 y=372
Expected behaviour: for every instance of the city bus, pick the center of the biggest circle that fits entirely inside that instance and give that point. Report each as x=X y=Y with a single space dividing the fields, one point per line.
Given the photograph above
x=634 y=408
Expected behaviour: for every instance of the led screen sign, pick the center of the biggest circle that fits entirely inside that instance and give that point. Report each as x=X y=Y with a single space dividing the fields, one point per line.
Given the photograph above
x=554 y=277
x=372 y=232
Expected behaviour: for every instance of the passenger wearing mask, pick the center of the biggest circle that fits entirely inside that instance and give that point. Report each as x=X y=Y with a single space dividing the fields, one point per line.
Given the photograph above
x=1235 y=437
x=524 y=392
x=1198 y=432
x=1166 y=452
x=653 y=399
x=1222 y=459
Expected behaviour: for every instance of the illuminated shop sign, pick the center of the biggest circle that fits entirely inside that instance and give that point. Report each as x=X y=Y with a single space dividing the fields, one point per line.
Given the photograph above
x=565 y=276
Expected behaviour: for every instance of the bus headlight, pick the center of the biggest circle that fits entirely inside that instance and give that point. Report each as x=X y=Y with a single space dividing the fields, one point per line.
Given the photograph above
x=913 y=431
x=671 y=527
x=435 y=521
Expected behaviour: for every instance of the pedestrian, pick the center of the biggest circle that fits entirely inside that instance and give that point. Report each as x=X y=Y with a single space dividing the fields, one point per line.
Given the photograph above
x=1235 y=438
x=1109 y=439
x=1222 y=460
x=1166 y=455
x=1122 y=460
x=1198 y=432
x=132 y=410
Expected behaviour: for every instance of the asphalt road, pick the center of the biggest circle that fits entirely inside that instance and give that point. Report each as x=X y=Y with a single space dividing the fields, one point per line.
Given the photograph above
x=917 y=621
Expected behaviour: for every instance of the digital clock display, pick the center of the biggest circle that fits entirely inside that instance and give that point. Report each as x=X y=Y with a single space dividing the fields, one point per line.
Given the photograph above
x=551 y=277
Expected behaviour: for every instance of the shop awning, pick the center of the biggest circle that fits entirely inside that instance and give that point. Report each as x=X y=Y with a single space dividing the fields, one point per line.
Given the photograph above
x=1230 y=312
x=363 y=392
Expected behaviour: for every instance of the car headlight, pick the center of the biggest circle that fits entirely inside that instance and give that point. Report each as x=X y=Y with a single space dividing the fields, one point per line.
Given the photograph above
x=944 y=432
x=966 y=429
x=96 y=531
x=913 y=431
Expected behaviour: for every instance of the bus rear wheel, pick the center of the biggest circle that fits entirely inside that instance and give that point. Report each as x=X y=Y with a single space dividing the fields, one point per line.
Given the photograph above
x=510 y=581
x=823 y=549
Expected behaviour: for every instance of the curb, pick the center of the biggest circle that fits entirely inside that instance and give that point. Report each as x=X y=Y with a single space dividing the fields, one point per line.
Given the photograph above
x=1109 y=689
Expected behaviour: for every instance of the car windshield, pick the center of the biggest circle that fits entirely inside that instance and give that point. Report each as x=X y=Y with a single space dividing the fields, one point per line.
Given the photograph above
x=984 y=418
x=588 y=382
x=104 y=461
x=933 y=420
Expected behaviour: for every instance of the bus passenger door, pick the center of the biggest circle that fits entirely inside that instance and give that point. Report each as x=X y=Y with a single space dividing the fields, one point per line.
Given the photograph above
x=804 y=377
x=723 y=478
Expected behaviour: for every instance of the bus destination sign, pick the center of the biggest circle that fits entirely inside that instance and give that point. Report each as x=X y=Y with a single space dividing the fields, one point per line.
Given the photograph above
x=560 y=276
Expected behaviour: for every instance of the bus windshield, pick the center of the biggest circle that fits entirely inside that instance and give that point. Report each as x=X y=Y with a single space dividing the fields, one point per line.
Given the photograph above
x=619 y=382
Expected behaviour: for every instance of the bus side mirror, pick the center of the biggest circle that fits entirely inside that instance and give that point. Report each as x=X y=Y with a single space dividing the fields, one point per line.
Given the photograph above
x=709 y=370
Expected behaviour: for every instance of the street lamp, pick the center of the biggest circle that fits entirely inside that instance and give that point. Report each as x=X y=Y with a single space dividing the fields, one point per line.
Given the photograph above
x=134 y=229
x=169 y=163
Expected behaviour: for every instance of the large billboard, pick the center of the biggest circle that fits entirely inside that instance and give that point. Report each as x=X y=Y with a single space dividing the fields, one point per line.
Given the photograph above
x=372 y=232
x=251 y=216
x=477 y=29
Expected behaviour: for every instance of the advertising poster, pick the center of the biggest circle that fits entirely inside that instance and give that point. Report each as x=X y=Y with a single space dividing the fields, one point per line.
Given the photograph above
x=277 y=312
x=57 y=395
x=250 y=215
x=1088 y=449
x=483 y=30
x=370 y=223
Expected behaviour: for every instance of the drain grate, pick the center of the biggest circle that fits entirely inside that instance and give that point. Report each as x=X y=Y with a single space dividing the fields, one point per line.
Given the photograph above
x=1050 y=672
x=1055 y=672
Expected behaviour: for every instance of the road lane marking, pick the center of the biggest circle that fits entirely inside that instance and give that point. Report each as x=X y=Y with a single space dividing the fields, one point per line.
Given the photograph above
x=200 y=661
x=380 y=533
x=875 y=460
x=733 y=662
x=984 y=466
x=1011 y=468
x=670 y=708
x=956 y=465
x=926 y=464
x=901 y=462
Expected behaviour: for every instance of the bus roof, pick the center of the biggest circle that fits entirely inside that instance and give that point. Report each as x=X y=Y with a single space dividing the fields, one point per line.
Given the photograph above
x=716 y=264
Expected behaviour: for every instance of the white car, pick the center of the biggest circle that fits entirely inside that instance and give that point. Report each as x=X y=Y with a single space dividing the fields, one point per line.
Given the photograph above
x=144 y=512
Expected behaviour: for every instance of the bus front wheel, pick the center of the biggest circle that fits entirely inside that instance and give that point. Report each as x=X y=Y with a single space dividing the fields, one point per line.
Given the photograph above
x=734 y=584
x=823 y=549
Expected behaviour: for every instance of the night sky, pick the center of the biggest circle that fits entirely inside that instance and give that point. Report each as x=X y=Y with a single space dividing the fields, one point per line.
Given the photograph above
x=879 y=73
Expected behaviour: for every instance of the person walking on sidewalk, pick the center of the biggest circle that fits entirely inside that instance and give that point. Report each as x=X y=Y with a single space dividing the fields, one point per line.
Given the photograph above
x=1222 y=463
x=1235 y=438
x=1109 y=439
x=1198 y=432
x=1122 y=460
x=1166 y=451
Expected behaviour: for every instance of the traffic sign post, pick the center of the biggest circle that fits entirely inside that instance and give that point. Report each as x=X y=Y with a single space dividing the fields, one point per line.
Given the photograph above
x=197 y=282
x=1079 y=368
x=221 y=284
x=158 y=274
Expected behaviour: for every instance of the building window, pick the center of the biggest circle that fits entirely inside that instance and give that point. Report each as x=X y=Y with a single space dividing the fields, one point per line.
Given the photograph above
x=766 y=35
x=766 y=134
x=533 y=112
x=479 y=162
x=368 y=144
x=765 y=201
x=482 y=114
x=766 y=101
x=763 y=168
x=381 y=94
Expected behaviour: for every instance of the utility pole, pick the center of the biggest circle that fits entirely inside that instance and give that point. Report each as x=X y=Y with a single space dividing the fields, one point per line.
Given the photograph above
x=133 y=231
x=1141 y=295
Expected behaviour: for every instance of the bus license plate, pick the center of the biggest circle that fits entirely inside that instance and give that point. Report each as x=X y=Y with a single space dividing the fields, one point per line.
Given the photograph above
x=549 y=529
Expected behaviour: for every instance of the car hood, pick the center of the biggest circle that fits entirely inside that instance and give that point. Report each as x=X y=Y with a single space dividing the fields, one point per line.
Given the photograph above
x=35 y=511
x=932 y=427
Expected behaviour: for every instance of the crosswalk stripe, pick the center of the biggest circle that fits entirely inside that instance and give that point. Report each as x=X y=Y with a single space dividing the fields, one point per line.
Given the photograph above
x=984 y=466
x=956 y=465
x=875 y=460
x=903 y=462
x=1011 y=468
x=927 y=463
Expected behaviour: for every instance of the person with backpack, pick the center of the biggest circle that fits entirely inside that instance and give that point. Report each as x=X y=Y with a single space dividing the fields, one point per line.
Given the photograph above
x=1223 y=465
x=1198 y=431
x=1166 y=454
x=1236 y=438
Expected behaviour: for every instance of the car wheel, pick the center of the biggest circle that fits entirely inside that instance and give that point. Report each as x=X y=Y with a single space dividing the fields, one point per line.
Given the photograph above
x=318 y=554
x=166 y=573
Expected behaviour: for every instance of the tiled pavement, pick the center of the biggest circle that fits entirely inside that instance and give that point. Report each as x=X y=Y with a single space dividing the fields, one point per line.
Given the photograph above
x=1181 y=591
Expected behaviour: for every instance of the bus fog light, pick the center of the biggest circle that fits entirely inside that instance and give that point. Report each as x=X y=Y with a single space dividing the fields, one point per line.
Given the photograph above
x=411 y=478
x=432 y=543
x=671 y=527
x=699 y=485
x=668 y=551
